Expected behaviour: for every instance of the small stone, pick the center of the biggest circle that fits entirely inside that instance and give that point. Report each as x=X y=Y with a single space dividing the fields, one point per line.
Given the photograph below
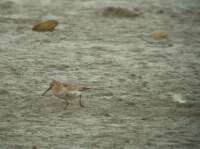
x=121 y=12
x=46 y=26
x=4 y=92
x=130 y=103
x=159 y=35
x=34 y=147
x=133 y=75
x=160 y=11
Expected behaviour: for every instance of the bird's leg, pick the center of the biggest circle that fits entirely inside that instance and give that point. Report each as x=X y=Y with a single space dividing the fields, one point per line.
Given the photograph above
x=67 y=104
x=81 y=102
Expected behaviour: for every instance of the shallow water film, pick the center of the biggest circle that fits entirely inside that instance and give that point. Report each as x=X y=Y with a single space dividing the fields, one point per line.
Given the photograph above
x=141 y=59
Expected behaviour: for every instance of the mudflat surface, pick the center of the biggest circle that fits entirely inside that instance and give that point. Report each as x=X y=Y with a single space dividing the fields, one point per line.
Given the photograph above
x=146 y=92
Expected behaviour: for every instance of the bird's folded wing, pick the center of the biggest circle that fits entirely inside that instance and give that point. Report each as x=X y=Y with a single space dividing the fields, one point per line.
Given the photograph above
x=70 y=87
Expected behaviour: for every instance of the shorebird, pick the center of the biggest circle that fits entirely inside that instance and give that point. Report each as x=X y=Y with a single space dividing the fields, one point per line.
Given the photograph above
x=65 y=91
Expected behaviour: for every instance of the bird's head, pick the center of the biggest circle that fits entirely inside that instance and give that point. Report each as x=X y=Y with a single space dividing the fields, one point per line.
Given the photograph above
x=52 y=85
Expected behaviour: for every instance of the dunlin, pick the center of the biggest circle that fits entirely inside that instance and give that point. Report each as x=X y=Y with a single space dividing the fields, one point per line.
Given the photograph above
x=66 y=91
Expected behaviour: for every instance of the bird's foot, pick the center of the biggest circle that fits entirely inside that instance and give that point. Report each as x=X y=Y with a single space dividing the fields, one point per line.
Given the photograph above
x=67 y=104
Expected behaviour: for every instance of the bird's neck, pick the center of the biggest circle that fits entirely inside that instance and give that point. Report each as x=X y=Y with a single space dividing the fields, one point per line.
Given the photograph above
x=57 y=89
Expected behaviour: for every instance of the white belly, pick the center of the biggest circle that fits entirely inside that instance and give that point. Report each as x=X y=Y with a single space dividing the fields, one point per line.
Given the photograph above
x=67 y=95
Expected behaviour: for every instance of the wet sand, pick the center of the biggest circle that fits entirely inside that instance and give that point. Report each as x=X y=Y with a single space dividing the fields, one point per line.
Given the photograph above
x=146 y=92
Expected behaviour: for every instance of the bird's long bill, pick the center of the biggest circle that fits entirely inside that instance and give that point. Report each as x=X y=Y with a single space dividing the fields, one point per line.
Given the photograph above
x=46 y=91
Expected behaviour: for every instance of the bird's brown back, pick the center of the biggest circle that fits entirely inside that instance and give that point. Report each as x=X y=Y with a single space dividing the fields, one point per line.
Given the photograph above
x=70 y=87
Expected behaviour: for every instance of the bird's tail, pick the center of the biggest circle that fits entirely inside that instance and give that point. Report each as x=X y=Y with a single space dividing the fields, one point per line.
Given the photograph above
x=84 y=88
x=90 y=88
